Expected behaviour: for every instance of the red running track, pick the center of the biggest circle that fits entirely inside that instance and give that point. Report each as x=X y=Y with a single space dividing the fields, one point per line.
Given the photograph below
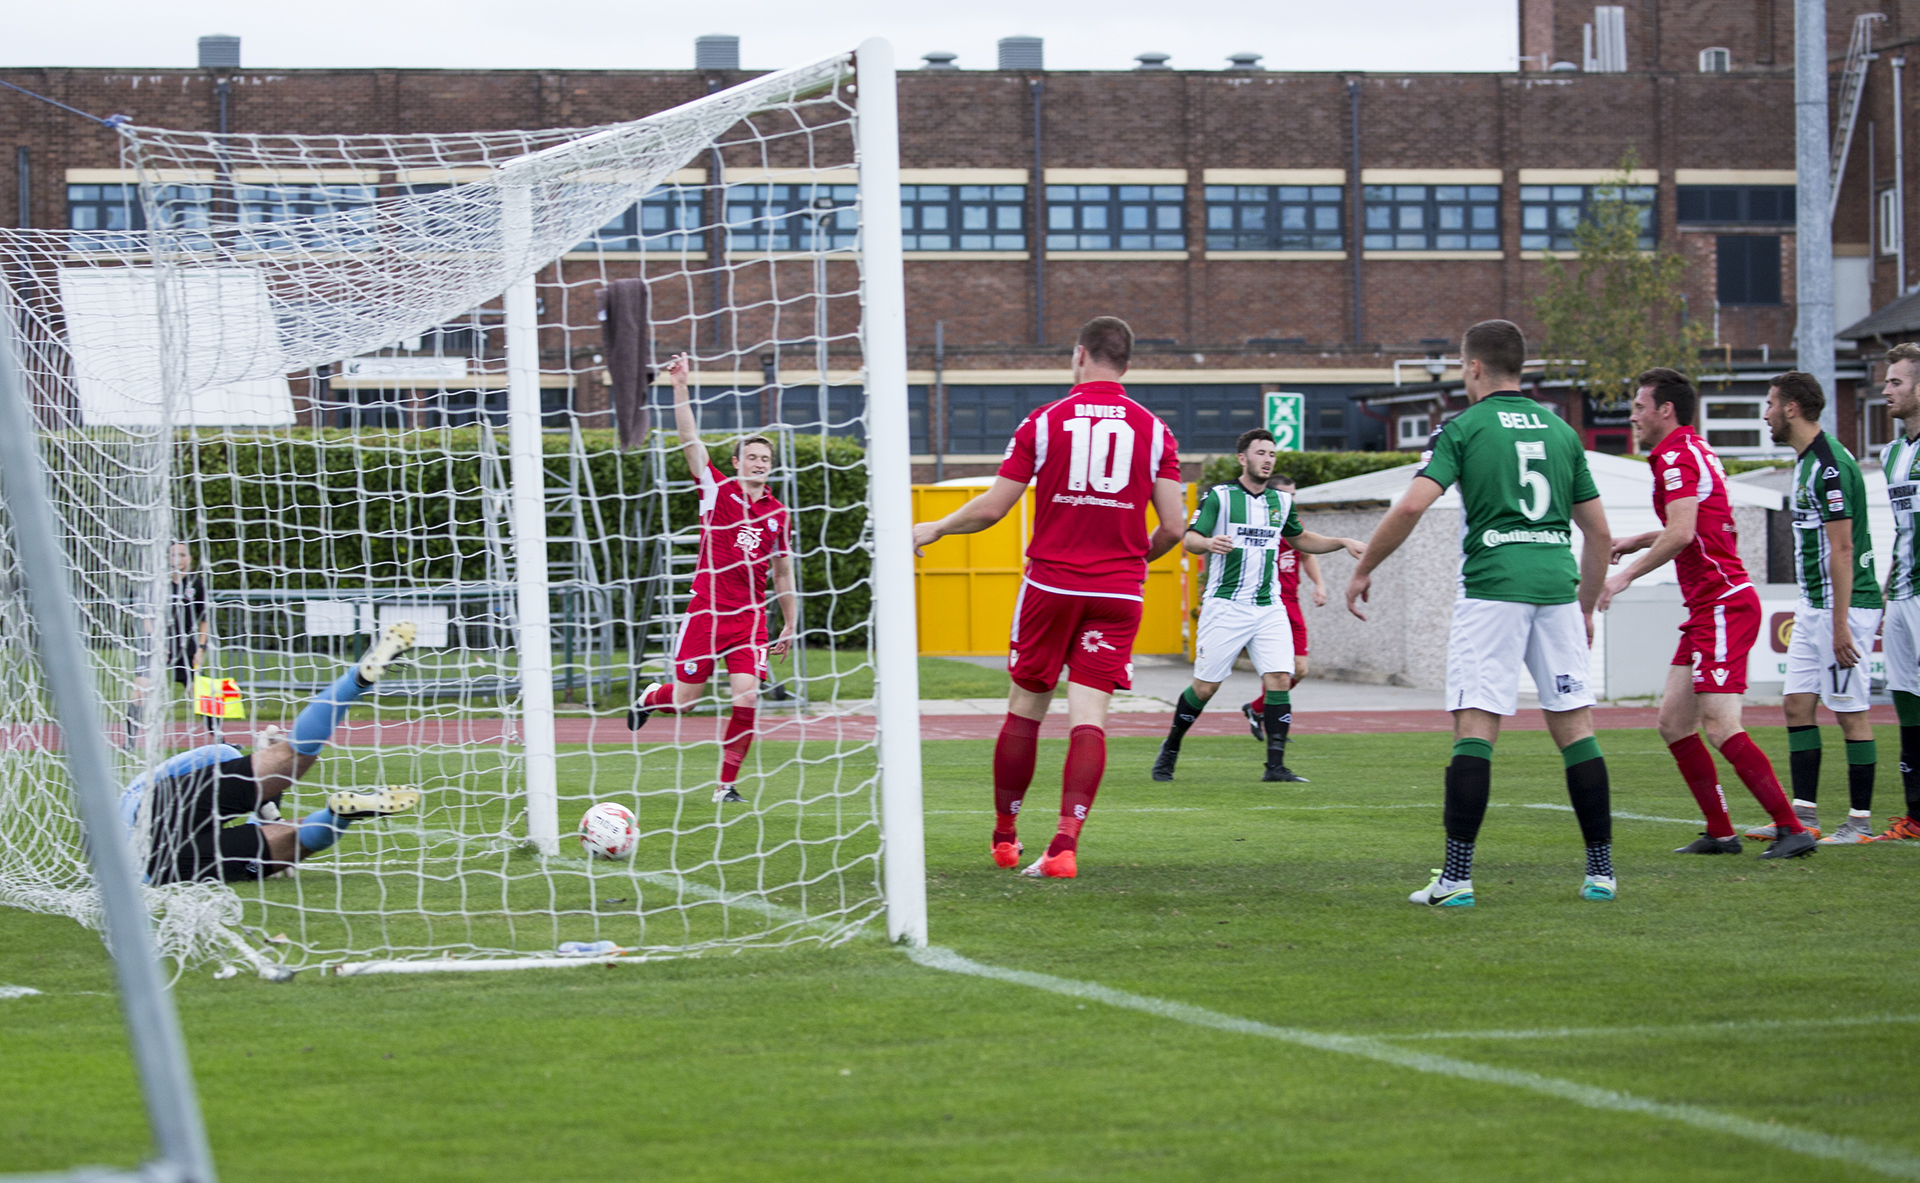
x=859 y=728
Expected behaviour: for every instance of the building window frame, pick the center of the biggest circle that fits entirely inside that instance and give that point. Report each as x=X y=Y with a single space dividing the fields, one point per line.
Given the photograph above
x=1736 y=282
x=950 y=217
x=111 y=217
x=782 y=218
x=1430 y=217
x=1115 y=217
x=1550 y=214
x=1276 y=217
x=667 y=218
x=1716 y=59
x=1732 y=434
x=1412 y=430
x=1889 y=218
x=1735 y=205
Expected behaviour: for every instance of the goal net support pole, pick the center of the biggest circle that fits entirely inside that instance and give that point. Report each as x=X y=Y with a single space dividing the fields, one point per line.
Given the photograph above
x=530 y=563
x=159 y=1051
x=890 y=475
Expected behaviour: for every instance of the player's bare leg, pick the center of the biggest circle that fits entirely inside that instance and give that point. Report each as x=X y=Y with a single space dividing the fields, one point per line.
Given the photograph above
x=673 y=698
x=1014 y=752
x=1079 y=780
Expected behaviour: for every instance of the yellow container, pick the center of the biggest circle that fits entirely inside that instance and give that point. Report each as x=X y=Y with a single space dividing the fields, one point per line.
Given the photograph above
x=967 y=583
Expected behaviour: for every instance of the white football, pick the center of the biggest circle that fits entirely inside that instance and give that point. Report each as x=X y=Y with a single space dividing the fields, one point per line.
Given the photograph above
x=609 y=830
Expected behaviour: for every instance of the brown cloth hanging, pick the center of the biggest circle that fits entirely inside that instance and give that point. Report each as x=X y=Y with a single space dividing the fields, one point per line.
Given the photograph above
x=629 y=350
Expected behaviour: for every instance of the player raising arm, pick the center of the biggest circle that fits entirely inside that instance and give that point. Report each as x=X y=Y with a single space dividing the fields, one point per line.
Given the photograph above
x=1097 y=459
x=1247 y=526
x=1839 y=610
x=743 y=536
x=1523 y=480
x=1709 y=671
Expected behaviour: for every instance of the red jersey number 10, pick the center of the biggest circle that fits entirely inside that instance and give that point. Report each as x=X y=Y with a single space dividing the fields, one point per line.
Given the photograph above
x=1102 y=454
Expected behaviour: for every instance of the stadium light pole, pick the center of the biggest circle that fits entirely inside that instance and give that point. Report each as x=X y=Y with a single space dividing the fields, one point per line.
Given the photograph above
x=153 y=1028
x=896 y=644
x=1813 y=229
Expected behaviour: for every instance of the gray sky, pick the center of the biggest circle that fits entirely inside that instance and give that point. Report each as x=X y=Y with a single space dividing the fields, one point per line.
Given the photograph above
x=1358 y=34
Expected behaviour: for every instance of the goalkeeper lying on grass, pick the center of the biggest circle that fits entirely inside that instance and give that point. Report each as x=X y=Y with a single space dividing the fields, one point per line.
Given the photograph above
x=196 y=794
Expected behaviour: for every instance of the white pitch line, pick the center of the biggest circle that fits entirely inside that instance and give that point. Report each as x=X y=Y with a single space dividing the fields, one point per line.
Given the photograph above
x=1631 y=817
x=1669 y=1029
x=9 y=992
x=1894 y=1163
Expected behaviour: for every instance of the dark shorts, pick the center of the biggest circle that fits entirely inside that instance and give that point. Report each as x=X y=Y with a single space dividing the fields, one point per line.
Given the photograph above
x=194 y=827
x=180 y=661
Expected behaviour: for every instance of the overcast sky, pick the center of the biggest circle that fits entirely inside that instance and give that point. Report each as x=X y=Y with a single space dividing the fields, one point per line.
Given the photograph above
x=1294 y=35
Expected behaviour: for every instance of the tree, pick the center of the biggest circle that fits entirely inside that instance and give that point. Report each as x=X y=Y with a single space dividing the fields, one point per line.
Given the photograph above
x=1617 y=309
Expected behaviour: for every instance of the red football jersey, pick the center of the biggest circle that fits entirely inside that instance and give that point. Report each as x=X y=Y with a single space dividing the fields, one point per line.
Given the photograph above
x=738 y=539
x=1709 y=568
x=1093 y=457
x=1288 y=560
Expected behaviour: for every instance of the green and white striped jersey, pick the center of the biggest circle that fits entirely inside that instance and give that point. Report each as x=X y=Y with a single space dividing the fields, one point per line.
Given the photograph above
x=1828 y=487
x=1902 y=463
x=1249 y=573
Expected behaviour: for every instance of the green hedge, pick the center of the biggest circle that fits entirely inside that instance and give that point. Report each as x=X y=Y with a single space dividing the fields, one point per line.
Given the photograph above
x=1312 y=468
x=312 y=509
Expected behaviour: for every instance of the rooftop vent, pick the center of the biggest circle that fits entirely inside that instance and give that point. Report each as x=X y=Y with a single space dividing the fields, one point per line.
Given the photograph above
x=716 y=51
x=939 y=59
x=1152 y=61
x=219 y=51
x=1022 y=53
x=1245 y=61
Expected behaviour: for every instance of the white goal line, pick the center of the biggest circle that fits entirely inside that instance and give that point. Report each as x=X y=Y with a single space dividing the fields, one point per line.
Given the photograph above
x=1885 y=1160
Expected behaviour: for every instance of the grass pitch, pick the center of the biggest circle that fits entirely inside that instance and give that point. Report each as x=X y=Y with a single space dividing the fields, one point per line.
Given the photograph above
x=1775 y=993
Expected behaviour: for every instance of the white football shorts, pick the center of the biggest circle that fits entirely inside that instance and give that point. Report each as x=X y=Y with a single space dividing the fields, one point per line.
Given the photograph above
x=1810 y=665
x=1227 y=627
x=1902 y=645
x=1491 y=639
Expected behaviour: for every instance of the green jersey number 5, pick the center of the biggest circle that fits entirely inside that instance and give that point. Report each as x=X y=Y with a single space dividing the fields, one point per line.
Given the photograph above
x=1529 y=452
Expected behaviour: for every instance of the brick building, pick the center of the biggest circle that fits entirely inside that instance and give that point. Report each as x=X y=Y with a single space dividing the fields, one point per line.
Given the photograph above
x=1262 y=231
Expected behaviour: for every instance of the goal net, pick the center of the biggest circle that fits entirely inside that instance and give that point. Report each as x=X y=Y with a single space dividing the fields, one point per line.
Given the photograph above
x=293 y=388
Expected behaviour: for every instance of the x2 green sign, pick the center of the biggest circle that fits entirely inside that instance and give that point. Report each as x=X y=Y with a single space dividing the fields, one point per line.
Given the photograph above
x=1287 y=420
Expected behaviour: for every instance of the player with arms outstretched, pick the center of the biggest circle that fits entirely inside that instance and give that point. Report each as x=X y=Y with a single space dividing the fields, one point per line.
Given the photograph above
x=1245 y=526
x=1709 y=671
x=1097 y=459
x=1902 y=463
x=1523 y=482
x=743 y=536
x=1839 y=611
x=195 y=801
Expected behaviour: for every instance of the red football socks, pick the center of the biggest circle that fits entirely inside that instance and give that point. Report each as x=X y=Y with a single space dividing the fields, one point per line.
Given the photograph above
x=1013 y=756
x=1079 y=783
x=659 y=698
x=1703 y=780
x=1756 y=772
x=734 y=747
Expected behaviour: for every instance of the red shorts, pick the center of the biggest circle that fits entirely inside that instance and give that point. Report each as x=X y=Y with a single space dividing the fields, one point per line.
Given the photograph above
x=1299 y=622
x=1091 y=635
x=708 y=637
x=1716 y=639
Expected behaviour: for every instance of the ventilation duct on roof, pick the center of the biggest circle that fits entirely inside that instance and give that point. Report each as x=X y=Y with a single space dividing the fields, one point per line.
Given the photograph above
x=219 y=51
x=1022 y=53
x=716 y=51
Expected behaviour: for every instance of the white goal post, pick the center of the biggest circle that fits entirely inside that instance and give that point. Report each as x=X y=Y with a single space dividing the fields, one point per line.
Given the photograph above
x=377 y=363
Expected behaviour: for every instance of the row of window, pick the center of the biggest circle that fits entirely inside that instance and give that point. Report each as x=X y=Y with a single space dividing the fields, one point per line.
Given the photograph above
x=811 y=217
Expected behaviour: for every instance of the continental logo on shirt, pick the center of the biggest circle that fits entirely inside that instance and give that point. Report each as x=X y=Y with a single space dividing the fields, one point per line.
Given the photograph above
x=1503 y=537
